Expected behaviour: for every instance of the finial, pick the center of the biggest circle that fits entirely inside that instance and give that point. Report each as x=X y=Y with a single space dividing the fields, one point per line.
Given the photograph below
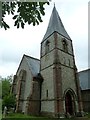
x=54 y=4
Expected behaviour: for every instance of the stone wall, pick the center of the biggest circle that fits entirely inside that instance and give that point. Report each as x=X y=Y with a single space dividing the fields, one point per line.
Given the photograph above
x=47 y=59
x=68 y=79
x=86 y=100
x=27 y=86
x=34 y=104
x=47 y=102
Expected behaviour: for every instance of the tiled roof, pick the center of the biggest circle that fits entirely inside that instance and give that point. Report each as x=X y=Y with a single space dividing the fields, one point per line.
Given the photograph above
x=55 y=24
x=34 y=64
x=84 y=77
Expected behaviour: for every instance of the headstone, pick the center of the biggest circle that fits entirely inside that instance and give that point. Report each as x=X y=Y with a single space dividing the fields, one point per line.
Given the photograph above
x=5 y=112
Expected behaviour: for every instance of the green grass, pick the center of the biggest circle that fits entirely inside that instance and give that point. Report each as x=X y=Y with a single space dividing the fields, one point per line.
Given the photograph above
x=23 y=116
x=88 y=115
x=17 y=116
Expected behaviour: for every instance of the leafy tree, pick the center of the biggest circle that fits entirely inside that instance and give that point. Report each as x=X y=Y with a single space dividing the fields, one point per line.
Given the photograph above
x=7 y=96
x=9 y=101
x=10 y=78
x=23 y=12
x=5 y=88
x=6 y=85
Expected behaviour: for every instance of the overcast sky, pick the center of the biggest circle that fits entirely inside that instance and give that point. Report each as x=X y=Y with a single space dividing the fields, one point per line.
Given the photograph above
x=16 y=42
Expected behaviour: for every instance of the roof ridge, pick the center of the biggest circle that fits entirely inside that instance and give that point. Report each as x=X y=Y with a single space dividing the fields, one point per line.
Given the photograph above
x=84 y=70
x=31 y=57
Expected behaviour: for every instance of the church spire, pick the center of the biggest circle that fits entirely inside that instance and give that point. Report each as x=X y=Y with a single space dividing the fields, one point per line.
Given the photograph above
x=55 y=24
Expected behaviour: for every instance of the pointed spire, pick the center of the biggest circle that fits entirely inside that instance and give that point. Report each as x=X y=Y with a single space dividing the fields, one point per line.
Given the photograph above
x=55 y=24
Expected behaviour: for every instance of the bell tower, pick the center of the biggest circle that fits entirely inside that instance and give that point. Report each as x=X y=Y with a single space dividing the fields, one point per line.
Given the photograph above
x=60 y=93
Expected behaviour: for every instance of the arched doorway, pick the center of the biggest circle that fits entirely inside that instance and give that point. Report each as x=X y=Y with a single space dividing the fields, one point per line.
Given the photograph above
x=69 y=103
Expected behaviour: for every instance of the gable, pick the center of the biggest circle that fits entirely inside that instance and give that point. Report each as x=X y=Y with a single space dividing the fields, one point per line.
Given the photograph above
x=29 y=63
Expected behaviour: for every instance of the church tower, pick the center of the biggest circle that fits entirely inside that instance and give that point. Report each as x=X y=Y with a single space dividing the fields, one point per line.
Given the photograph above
x=60 y=92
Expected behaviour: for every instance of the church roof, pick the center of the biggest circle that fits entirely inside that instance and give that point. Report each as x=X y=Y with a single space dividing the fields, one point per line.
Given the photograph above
x=84 y=77
x=55 y=24
x=34 y=64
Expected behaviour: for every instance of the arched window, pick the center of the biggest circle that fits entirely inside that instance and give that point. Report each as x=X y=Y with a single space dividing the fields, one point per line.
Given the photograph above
x=65 y=47
x=47 y=46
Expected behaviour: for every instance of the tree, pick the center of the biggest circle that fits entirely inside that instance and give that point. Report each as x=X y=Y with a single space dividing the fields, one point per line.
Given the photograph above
x=23 y=12
x=8 y=99
x=5 y=88
x=6 y=85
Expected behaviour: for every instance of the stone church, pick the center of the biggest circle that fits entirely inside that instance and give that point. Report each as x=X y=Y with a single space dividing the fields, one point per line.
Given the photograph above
x=49 y=86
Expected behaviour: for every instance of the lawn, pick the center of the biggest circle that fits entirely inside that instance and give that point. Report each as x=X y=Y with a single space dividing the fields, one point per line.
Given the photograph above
x=89 y=115
x=17 y=116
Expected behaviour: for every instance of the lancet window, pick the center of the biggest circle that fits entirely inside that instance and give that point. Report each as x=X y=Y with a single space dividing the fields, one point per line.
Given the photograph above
x=65 y=45
x=47 y=46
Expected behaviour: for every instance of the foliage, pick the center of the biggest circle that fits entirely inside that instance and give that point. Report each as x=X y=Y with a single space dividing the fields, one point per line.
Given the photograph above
x=10 y=78
x=89 y=115
x=9 y=101
x=6 y=86
x=23 y=12
x=8 y=98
